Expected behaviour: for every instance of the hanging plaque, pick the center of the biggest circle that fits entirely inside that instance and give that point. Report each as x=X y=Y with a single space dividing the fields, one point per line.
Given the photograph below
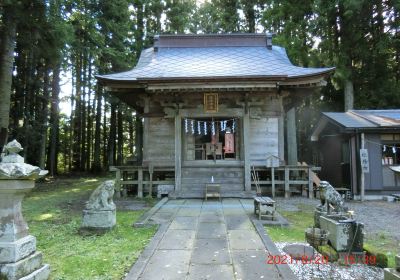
x=211 y=102
x=364 y=160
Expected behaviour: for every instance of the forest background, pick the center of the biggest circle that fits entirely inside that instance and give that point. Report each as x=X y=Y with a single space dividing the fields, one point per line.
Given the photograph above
x=41 y=41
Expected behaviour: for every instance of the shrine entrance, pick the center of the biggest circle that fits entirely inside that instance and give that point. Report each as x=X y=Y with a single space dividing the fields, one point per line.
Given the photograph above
x=211 y=139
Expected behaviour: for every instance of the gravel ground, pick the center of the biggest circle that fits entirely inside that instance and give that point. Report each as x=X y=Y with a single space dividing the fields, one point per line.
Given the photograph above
x=378 y=217
x=332 y=271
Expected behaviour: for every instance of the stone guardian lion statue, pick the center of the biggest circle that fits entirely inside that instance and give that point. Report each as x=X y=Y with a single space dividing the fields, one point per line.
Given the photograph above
x=329 y=196
x=101 y=198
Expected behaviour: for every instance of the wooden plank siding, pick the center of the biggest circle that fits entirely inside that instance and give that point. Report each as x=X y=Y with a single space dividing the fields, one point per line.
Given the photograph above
x=264 y=140
x=160 y=142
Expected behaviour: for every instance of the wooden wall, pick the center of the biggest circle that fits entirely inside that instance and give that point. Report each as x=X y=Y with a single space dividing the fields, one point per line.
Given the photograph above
x=264 y=140
x=160 y=141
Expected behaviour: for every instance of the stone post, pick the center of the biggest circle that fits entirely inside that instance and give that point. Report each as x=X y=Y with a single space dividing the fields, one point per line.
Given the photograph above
x=18 y=256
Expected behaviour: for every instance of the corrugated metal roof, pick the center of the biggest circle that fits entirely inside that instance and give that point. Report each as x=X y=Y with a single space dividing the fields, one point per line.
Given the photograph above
x=210 y=60
x=359 y=119
x=349 y=120
x=384 y=118
x=366 y=118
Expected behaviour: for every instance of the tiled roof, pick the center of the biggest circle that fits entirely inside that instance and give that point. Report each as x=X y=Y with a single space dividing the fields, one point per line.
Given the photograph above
x=212 y=60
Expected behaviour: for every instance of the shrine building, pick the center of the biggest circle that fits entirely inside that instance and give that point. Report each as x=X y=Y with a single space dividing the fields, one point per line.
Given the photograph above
x=212 y=108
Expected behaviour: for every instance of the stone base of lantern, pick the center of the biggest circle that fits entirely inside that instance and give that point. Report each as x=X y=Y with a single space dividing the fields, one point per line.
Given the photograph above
x=18 y=256
x=26 y=269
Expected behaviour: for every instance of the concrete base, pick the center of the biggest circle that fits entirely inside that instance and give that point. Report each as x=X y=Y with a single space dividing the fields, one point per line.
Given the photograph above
x=391 y=274
x=42 y=273
x=93 y=219
x=11 y=252
x=21 y=268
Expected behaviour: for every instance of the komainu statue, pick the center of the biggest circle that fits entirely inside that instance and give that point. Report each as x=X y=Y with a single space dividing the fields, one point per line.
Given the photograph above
x=329 y=196
x=102 y=197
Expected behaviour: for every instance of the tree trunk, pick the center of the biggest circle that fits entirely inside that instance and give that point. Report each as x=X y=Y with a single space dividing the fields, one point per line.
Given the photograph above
x=54 y=121
x=96 y=167
x=7 y=46
x=348 y=95
x=120 y=136
x=44 y=112
x=112 y=136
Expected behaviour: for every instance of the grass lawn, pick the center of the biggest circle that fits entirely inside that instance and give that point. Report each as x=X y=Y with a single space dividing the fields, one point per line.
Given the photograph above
x=54 y=214
x=300 y=220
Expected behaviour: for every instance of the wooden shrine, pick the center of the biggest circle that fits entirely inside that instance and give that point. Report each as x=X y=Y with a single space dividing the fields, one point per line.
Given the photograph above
x=211 y=106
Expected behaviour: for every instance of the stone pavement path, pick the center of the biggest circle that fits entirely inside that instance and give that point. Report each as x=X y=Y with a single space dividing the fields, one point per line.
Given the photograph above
x=208 y=240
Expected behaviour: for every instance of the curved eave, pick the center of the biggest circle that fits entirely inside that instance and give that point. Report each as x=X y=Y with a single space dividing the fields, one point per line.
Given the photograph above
x=280 y=79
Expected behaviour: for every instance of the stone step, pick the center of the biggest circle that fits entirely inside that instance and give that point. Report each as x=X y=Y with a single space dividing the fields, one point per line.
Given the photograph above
x=14 y=271
x=202 y=187
x=40 y=274
x=231 y=194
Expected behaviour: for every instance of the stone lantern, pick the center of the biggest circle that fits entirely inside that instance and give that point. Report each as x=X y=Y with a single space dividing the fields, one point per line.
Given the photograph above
x=18 y=256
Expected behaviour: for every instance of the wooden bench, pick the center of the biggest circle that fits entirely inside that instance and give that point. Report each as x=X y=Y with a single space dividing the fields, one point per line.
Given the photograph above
x=268 y=204
x=213 y=190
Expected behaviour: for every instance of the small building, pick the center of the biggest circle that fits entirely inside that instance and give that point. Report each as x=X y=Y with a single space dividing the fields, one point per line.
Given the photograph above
x=213 y=106
x=341 y=136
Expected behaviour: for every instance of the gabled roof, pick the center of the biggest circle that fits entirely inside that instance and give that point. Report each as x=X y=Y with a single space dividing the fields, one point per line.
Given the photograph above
x=177 y=57
x=359 y=120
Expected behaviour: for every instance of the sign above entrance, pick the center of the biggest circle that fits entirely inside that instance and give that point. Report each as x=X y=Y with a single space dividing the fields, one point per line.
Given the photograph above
x=211 y=102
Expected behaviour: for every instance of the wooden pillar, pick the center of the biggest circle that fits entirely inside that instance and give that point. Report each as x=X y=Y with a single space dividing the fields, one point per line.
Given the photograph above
x=362 y=190
x=273 y=181
x=178 y=152
x=151 y=169
x=139 y=139
x=287 y=186
x=118 y=183
x=281 y=137
x=246 y=146
x=140 y=182
x=281 y=132
x=291 y=137
x=146 y=128
x=310 y=183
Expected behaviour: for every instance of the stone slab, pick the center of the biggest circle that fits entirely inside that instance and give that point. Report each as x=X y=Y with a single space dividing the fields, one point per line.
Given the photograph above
x=105 y=219
x=42 y=273
x=233 y=211
x=17 y=270
x=11 y=252
x=211 y=251
x=299 y=251
x=188 y=212
x=184 y=223
x=167 y=265
x=201 y=271
x=211 y=230
x=237 y=222
x=178 y=239
x=211 y=218
x=245 y=240
x=391 y=274
x=161 y=217
x=251 y=265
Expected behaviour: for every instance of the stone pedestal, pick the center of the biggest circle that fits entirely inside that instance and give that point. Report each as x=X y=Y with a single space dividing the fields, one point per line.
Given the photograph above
x=18 y=256
x=99 y=219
